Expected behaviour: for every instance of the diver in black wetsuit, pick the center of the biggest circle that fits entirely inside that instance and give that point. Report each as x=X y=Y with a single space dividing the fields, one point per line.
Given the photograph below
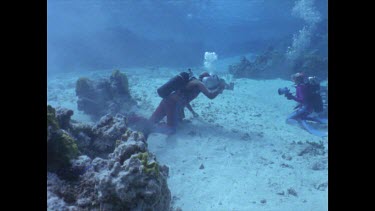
x=173 y=105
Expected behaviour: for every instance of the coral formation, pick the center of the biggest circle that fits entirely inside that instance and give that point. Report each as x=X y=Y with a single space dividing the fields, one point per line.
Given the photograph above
x=83 y=86
x=63 y=116
x=104 y=96
x=272 y=64
x=61 y=146
x=106 y=132
x=266 y=65
x=115 y=172
x=149 y=167
x=119 y=83
x=129 y=179
x=51 y=118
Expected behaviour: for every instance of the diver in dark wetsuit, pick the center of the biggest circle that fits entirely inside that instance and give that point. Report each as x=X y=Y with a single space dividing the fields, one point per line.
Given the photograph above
x=173 y=105
x=305 y=107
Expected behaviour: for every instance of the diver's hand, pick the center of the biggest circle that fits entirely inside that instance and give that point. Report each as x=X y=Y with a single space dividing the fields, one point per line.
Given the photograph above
x=289 y=96
x=221 y=88
x=230 y=86
x=195 y=115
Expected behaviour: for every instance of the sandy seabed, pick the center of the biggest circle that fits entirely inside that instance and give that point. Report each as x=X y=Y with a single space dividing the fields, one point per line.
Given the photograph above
x=239 y=154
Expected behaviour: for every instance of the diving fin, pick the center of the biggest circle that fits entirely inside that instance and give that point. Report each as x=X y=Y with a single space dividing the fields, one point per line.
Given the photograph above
x=317 y=119
x=312 y=130
x=323 y=120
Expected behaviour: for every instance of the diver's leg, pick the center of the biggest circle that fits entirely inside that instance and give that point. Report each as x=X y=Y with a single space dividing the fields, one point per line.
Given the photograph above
x=316 y=119
x=292 y=117
x=165 y=108
x=297 y=116
x=180 y=109
x=172 y=116
x=169 y=111
x=159 y=113
x=310 y=128
x=313 y=119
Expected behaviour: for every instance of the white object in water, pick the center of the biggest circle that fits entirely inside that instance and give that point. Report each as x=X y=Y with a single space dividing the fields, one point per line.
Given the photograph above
x=211 y=82
x=209 y=59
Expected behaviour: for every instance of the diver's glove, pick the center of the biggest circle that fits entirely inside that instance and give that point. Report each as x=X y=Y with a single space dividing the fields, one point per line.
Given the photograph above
x=230 y=86
x=221 y=88
x=289 y=96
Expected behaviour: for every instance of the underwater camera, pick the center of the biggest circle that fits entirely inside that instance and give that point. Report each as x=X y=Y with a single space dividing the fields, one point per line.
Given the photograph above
x=283 y=91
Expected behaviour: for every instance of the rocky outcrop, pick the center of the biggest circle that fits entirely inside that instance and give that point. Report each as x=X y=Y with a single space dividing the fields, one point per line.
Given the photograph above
x=105 y=96
x=272 y=64
x=61 y=146
x=130 y=179
x=114 y=171
x=265 y=66
x=63 y=116
x=55 y=194
x=99 y=140
x=134 y=180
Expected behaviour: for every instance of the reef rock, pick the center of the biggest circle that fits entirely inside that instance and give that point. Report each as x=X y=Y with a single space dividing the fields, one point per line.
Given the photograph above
x=105 y=96
x=93 y=140
x=61 y=146
x=99 y=140
x=63 y=116
x=130 y=179
x=106 y=132
x=137 y=183
x=272 y=64
x=54 y=193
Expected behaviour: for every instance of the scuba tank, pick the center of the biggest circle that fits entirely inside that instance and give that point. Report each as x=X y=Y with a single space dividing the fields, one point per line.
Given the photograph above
x=313 y=94
x=176 y=83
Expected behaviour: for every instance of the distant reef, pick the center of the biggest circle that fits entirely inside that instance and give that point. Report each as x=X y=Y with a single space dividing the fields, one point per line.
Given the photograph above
x=272 y=64
x=264 y=66
x=105 y=166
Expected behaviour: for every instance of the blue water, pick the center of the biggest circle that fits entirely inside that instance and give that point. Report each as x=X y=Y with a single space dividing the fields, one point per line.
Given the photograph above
x=152 y=40
x=97 y=34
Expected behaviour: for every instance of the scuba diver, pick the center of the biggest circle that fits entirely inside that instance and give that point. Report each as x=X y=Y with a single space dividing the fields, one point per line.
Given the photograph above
x=173 y=104
x=309 y=99
x=177 y=94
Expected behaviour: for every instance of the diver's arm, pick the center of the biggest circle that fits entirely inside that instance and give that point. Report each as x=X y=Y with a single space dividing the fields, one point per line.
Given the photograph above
x=191 y=110
x=227 y=86
x=208 y=93
x=189 y=107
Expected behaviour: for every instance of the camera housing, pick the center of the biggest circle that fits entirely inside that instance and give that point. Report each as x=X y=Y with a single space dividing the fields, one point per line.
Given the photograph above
x=283 y=91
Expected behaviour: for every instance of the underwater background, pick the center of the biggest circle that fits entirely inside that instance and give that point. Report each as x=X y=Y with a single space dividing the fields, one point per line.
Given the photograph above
x=107 y=58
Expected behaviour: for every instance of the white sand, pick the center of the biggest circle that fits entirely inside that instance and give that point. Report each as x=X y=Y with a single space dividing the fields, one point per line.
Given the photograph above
x=240 y=138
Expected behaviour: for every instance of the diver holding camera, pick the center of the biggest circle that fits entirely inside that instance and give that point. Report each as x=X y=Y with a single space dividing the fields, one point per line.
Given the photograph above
x=309 y=99
x=286 y=92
